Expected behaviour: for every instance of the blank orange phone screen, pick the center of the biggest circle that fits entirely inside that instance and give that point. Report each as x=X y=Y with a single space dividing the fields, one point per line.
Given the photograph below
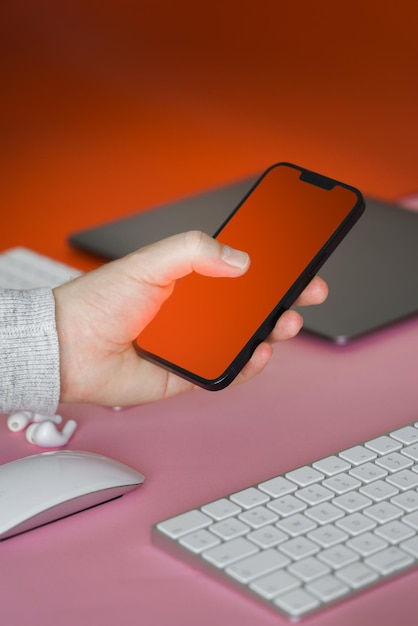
x=289 y=223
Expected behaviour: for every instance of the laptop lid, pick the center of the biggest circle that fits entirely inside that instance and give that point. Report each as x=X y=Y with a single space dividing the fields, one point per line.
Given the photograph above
x=372 y=276
x=204 y=211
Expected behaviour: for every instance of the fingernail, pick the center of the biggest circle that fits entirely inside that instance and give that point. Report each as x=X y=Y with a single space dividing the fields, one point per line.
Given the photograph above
x=236 y=258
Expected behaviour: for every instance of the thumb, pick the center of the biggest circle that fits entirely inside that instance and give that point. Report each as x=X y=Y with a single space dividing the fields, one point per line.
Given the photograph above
x=131 y=289
x=193 y=251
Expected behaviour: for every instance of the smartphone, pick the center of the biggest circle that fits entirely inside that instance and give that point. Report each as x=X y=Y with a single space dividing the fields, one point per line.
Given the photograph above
x=289 y=222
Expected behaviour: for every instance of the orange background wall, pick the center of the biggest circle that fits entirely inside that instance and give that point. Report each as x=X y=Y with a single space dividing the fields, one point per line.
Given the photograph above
x=109 y=107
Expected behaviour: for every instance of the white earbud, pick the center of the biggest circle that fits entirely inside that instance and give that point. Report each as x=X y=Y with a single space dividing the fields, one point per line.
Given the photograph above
x=47 y=435
x=19 y=420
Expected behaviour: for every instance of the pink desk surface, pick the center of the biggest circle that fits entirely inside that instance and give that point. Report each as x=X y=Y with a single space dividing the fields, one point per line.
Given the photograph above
x=99 y=566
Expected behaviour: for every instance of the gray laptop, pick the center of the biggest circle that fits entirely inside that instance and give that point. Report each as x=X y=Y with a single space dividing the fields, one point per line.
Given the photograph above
x=372 y=276
x=205 y=211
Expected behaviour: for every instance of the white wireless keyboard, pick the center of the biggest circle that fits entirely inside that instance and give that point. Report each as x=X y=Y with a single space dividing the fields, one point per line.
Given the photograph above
x=315 y=535
x=22 y=268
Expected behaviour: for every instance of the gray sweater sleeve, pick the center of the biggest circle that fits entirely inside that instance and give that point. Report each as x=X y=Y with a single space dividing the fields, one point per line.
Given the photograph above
x=29 y=352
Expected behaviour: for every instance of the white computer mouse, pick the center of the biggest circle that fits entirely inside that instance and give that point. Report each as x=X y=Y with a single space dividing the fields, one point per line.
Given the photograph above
x=39 y=489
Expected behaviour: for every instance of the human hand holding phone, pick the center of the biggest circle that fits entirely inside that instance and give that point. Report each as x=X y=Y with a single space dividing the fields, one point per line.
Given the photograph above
x=100 y=313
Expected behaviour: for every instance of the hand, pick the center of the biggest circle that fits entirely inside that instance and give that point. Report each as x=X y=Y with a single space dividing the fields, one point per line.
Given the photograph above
x=100 y=313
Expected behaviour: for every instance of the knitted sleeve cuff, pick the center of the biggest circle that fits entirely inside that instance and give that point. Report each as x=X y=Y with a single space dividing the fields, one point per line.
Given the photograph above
x=29 y=351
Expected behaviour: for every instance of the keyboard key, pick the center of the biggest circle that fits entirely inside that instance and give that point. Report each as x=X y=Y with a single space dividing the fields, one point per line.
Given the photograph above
x=379 y=490
x=408 y=500
x=341 y=483
x=305 y=476
x=273 y=584
x=309 y=569
x=338 y=556
x=411 y=519
x=267 y=537
x=394 y=532
x=184 y=524
x=357 y=455
x=230 y=528
x=328 y=535
x=331 y=465
x=199 y=541
x=367 y=544
x=407 y=434
x=356 y=524
x=296 y=525
x=247 y=498
x=220 y=509
x=383 y=512
x=390 y=560
x=287 y=505
x=357 y=575
x=411 y=451
x=411 y=546
x=324 y=513
x=394 y=462
x=328 y=588
x=298 y=548
x=261 y=563
x=368 y=472
x=258 y=517
x=383 y=444
x=229 y=552
x=297 y=602
x=314 y=494
x=277 y=487
x=403 y=480
x=352 y=502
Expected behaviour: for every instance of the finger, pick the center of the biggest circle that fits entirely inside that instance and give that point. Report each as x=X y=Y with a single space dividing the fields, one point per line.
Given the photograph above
x=258 y=361
x=287 y=326
x=176 y=256
x=314 y=293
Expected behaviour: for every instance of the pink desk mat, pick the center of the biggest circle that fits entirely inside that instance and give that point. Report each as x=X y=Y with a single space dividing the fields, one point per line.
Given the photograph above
x=99 y=566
